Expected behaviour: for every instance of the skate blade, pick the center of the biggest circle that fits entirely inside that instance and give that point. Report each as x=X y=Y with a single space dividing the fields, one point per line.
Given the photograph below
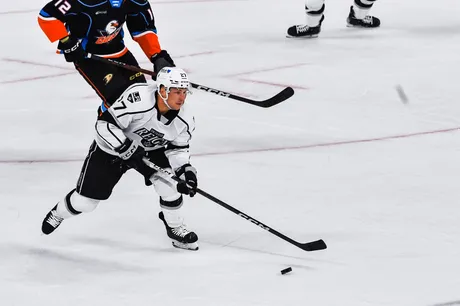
x=185 y=246
x=303 y=37
x=349 y=25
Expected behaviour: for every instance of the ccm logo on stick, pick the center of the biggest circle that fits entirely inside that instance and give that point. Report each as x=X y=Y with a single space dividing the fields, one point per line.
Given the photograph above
x=255 y=222
x=217 y=92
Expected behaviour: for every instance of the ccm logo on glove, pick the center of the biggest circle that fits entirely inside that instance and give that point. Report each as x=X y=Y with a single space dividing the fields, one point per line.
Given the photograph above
x=127 y=149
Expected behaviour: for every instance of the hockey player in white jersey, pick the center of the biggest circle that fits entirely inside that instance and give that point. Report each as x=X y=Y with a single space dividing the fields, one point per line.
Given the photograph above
x=145 y=122
x=314 y=9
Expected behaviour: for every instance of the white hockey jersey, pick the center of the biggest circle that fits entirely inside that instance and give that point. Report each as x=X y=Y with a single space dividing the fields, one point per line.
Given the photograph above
x=135 y=116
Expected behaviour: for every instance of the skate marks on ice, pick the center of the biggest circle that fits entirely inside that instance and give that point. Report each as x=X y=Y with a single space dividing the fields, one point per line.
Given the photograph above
x=264 y=247
x=116 y=245
x=250 y=76
x=144 y=246
x=260 y=256
x=453 y=303
x=29 y=263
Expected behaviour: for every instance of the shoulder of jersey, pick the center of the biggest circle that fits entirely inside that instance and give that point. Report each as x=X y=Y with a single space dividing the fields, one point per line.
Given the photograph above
x=91 y=3
x=138 y=97
x=141 y=2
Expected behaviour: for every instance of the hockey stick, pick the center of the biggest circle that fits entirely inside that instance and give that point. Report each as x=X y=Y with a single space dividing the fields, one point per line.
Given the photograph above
x=308 y=246
x=283 y=95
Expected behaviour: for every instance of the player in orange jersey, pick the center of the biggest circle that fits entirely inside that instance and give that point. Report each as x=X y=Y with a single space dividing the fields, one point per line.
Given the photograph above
x=96 y=26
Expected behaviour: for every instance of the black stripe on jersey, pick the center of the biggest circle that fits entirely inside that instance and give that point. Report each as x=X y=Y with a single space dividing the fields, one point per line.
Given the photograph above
x=113 y=134
x=123 y=106
x=170 y=115
x=105 y=140
x=188 y=127
x=170 y=147
x=137 y=85
x=100 y=136
x=107 y=117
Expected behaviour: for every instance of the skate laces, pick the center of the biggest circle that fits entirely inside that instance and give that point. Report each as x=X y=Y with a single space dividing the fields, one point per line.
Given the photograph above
x=180 y=231
x=368 y=19
x=302 y=28
x=54 y=220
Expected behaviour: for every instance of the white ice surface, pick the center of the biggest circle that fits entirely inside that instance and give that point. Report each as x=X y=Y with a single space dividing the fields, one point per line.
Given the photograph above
x=344 y=160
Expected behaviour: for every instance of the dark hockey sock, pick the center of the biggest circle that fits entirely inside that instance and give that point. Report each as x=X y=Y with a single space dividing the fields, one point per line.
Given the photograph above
x=364 y=4
x=313 y=11
x=172 y=211
x=68 y=204
x=171 y=204
x=314 y=15
x=361 y=10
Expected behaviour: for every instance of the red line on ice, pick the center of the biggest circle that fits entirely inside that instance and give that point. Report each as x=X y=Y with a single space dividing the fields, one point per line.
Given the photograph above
x=266 y=69
x=331 y=144
x=37 y=78
x=195 y=54
x=35 y=63
x=267 y=82
x=182 y=56
x=318 y=145
x=273 y=84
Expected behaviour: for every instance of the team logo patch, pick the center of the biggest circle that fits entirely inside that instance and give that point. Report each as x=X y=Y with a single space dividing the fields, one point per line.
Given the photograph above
x=108 y=78
x=134 y=97
x=112 y=29
x=151 y=138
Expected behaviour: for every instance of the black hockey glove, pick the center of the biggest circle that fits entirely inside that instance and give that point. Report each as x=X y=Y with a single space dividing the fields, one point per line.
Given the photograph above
x=161 y=60
x=189 y=183
x=132 y=154
x=72 y=49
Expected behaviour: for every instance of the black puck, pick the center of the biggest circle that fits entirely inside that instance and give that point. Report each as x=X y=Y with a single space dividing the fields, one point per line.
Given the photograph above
x=287 y=270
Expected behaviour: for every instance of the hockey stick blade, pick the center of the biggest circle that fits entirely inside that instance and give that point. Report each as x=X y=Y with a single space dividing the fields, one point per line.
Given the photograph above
x=283 y=95
x=313 y=246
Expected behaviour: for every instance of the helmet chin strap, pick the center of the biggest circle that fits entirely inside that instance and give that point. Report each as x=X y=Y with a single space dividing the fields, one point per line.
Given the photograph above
x=165 y=99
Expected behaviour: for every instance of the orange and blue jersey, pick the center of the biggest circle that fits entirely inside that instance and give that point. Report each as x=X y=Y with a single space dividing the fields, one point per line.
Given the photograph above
x=99 y=24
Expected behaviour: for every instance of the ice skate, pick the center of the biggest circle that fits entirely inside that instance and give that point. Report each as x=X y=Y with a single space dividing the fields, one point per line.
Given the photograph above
x=304 y=31
x=51 y=221
x=367 y=22
x=180 y=236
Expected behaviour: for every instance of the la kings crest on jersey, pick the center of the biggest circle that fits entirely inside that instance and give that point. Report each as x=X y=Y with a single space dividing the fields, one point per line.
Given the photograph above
x=136 y=115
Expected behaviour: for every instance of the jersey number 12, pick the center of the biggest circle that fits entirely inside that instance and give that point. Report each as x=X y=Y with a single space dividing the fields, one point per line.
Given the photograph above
x=64 y=7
